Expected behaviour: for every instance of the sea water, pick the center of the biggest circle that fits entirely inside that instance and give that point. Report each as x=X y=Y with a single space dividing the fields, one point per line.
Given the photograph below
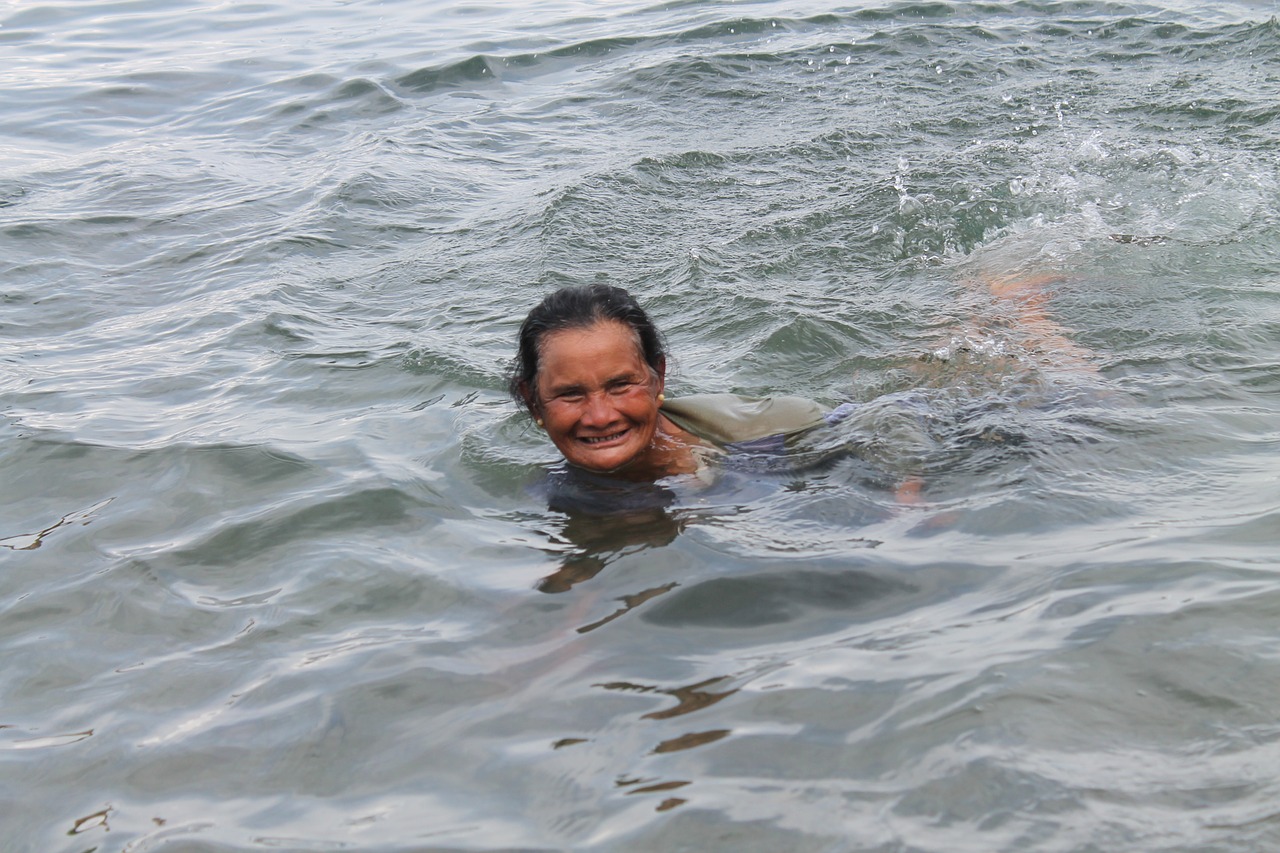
x=280 y=565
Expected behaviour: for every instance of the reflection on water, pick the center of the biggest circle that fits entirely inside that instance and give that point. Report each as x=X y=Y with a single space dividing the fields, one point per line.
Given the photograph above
x=689 y=699
x=603 y=519
x=693 y=697
x=94 y=821
x=756 y=600
x=32 y=541
x=629 y=603
x=689 y=741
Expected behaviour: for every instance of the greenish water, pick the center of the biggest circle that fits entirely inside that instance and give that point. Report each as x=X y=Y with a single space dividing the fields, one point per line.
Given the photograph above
x=278 y=568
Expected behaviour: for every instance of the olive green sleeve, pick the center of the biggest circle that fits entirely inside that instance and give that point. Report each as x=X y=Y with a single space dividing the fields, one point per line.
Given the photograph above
x=729 y=418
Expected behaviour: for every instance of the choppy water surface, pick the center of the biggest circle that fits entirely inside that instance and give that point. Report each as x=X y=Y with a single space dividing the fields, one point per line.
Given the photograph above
x=277 y=567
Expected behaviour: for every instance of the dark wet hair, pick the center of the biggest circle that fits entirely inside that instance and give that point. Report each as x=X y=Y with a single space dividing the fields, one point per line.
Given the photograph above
x=575 y=308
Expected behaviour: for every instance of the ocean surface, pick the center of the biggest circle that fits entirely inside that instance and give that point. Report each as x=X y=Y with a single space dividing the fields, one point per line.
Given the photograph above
x=280 y=565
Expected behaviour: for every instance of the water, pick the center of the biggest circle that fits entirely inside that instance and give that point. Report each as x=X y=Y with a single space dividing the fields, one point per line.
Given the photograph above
x=277 y=569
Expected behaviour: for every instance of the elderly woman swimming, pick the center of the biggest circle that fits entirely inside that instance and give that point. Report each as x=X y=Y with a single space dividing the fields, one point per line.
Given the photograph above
x=591 y=370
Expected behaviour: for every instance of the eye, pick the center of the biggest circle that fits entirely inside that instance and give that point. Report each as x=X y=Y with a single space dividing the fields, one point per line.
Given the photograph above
x=623 y=386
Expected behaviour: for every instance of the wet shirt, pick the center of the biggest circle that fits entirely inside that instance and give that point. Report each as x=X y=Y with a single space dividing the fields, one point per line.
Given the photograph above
x=750 y=424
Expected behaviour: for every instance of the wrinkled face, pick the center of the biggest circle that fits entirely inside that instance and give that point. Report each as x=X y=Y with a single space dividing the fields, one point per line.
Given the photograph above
x=597 y=397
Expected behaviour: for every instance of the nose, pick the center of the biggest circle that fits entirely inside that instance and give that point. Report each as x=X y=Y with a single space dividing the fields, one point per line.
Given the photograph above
x=599 y=412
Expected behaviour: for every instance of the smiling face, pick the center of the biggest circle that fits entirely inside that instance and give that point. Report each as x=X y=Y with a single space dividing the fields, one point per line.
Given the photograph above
x=598 y=399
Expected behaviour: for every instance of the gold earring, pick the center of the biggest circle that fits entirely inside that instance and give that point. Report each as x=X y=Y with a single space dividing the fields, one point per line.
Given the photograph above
x=662 y=398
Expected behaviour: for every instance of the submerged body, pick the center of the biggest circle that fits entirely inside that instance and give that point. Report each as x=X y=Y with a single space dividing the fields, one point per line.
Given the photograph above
x=591 y=370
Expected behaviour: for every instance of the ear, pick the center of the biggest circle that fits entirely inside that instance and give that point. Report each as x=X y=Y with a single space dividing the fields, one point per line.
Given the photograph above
x=662 y=374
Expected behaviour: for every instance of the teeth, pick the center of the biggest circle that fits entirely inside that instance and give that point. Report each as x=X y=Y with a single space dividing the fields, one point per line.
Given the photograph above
x=600 y=438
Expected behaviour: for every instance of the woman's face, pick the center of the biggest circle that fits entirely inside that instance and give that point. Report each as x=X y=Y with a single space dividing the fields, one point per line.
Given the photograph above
x=597 y=397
